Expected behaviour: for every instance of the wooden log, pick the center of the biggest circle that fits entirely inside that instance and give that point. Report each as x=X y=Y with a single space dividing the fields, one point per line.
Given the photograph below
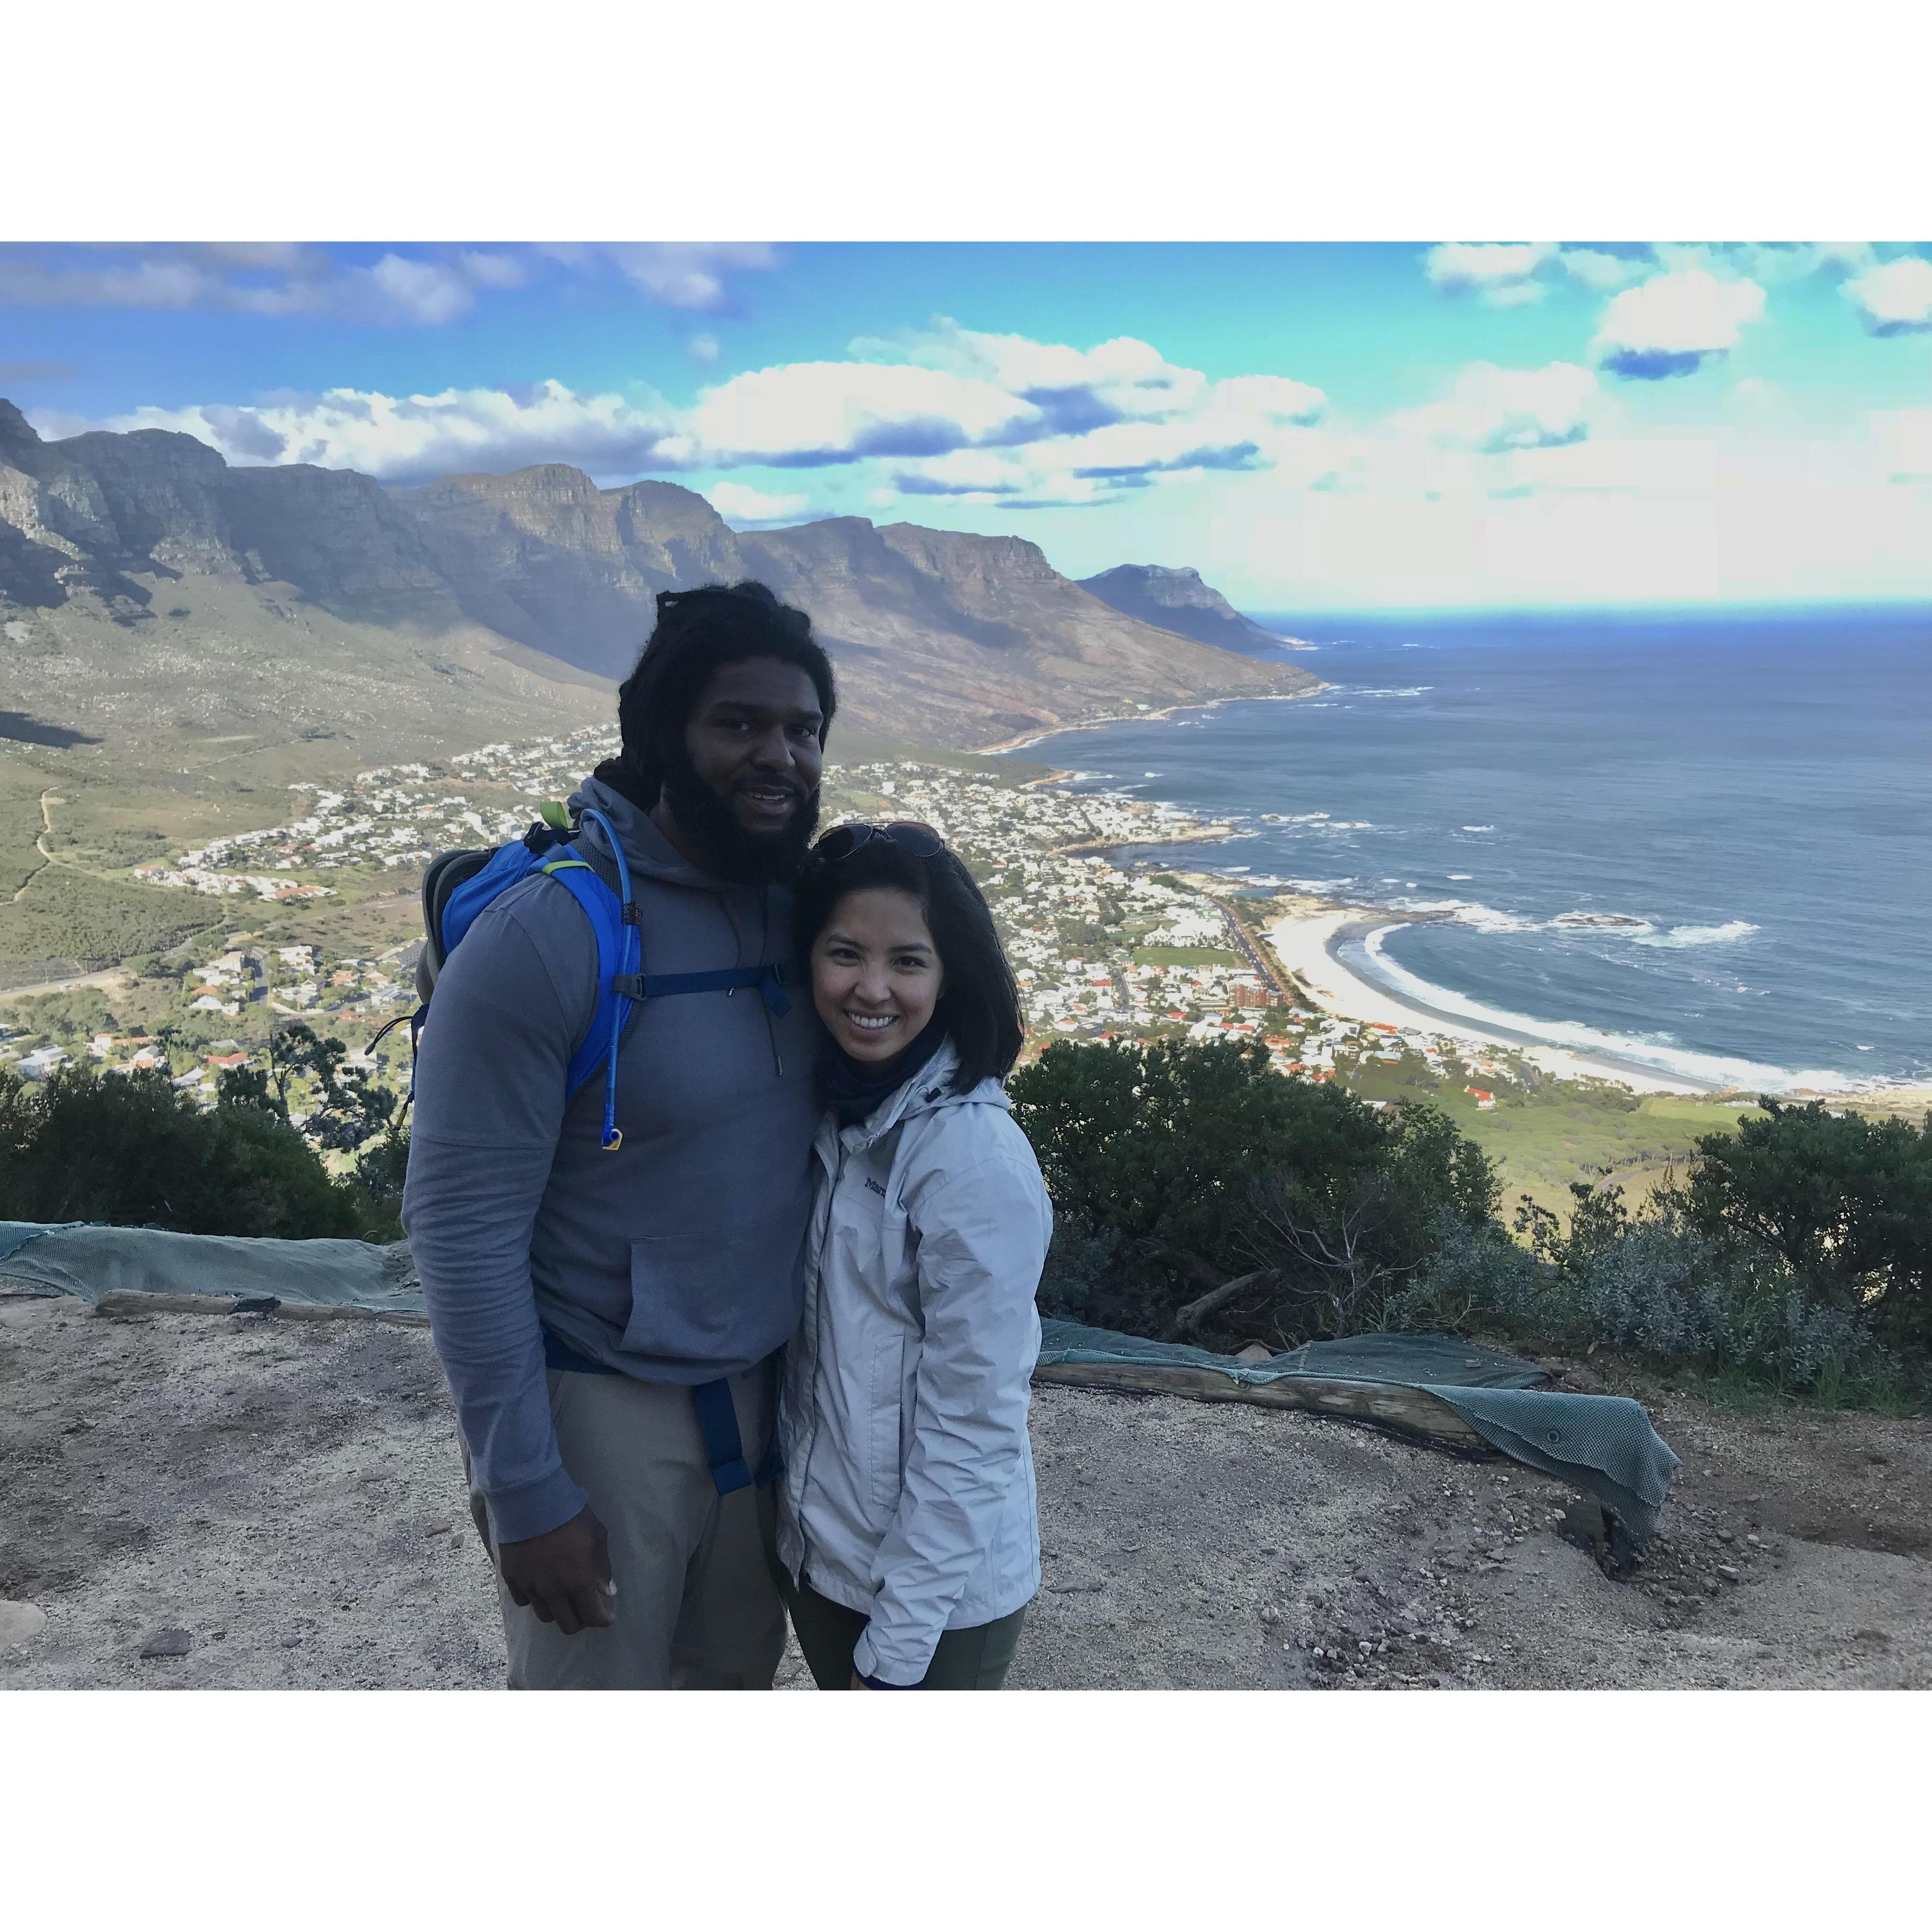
x=1413 y=1412
x=128 y=1304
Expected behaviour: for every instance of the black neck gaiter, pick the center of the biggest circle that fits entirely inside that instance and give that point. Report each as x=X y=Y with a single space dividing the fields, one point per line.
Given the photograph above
x=856 y=1087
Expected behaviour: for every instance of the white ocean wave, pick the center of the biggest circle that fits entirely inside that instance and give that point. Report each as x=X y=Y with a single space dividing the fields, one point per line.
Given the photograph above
x=1481 y=918
x=1681 y=936
x=1660 y=1052
x=1459 y=875
x=1479 y=828
x=1390 y=691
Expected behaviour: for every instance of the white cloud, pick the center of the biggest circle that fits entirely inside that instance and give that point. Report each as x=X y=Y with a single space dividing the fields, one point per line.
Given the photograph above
x=415 y=438
x=1493 y=410
x=980 y=474
x=420 y=291
x=1276 y=400
x=263 y=279
x=742 y=504
x=687 y=274
x=1597 y=268
x=817 y=412
x=276 y=278
x=1058 y=424
x=1757 y=400
x=1105 y=420
x=1670 y=324
x=494 y=272
x=1904 y=440
x=1121 y=380
x=1501 y=273
x=1895 y=299
x=1775 y=264
x=705 y=347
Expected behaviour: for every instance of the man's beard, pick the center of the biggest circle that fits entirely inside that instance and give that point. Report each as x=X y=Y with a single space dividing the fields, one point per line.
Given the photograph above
x=748 y=858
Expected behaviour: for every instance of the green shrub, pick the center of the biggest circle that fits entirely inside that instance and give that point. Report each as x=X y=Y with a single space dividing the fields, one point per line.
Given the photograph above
x=132 y=1151
x=1203 y=1167
x=380 y=1171
x=1655 y=1286
x=1845 y=1203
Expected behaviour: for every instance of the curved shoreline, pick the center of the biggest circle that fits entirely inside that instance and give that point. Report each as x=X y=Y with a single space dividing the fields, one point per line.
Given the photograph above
x=1590 y=1063
x=1032 y=738
x=1308 y=948
x=1311 y=947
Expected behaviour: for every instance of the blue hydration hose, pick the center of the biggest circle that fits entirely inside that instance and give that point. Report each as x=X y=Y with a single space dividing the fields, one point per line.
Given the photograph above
x=629 y=961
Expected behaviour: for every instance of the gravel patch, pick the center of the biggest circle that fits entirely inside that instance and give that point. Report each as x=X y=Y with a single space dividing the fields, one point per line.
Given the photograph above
x=189 y=1502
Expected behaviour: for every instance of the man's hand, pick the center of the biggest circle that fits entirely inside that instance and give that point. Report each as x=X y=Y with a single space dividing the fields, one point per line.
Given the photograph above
x=563 y=1575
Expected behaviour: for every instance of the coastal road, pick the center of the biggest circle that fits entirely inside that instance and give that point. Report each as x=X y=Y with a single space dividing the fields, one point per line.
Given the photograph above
x=1270 y=975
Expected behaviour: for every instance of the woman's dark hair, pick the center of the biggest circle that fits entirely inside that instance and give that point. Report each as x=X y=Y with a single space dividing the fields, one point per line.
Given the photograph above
x=697 y=630
x=979 y=1005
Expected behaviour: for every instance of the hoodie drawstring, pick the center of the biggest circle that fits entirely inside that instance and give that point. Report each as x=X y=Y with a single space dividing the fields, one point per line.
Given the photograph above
x=764 y=949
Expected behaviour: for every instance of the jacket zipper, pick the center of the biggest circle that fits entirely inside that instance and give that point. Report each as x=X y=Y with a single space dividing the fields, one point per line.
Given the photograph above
x=818 y=1358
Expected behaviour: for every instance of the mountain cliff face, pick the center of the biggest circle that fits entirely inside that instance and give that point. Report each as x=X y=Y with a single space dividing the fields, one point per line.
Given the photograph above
x=94 y=514
x=1178 y=600
x=545 y=557
x=940 y=638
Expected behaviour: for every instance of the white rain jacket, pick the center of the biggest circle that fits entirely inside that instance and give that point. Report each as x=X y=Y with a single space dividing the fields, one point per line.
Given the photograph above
x=908 y=1489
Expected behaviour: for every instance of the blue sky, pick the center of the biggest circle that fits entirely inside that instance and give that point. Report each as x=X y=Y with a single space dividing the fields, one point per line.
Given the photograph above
x=1330 y=426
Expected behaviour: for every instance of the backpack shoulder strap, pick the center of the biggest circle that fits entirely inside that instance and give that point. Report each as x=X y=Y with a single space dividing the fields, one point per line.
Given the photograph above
x=605 y=912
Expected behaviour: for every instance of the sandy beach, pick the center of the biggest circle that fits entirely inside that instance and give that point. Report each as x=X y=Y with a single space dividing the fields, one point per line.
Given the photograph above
x=1304 y=943
x=1008 y=746
x=1308 y=942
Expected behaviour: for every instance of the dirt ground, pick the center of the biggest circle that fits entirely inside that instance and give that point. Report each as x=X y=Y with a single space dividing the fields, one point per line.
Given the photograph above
x=280 y=1503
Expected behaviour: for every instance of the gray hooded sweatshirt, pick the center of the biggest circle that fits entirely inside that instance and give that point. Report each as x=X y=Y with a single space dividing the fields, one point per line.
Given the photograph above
x=676 y=1258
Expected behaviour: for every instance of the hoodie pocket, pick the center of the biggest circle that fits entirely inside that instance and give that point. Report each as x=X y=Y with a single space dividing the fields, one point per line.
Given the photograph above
x=706 y=1299
x=886 y=1470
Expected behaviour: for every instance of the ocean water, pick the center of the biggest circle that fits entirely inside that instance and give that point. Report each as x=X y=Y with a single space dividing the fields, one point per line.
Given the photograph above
x=1704 y=842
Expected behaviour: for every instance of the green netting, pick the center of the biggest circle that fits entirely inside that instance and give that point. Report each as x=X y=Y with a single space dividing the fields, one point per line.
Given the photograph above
x=84 y=1258
x=1604 y=1445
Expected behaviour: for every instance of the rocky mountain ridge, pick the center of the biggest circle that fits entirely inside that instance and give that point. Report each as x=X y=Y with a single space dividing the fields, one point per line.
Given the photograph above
x=940 y=638
x=1177 y=600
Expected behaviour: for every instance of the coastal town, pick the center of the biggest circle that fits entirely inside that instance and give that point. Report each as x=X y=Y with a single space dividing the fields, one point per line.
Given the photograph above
x=1107 y=942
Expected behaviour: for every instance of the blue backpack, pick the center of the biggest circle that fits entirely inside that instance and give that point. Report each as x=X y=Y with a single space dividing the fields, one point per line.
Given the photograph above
x=456 y=888
x=458 y=885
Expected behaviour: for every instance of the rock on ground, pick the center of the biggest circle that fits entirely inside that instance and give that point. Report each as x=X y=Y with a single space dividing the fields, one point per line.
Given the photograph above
x=288 y=1498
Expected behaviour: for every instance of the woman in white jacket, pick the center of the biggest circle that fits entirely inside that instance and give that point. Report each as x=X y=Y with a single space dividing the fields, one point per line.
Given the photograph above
x=907 y=1531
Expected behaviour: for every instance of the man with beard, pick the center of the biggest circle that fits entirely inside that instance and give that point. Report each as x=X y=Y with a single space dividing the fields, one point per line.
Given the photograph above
x=592 y=1307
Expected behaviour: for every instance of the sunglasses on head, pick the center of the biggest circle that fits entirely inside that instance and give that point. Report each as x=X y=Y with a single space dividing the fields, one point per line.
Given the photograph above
x=919 y=841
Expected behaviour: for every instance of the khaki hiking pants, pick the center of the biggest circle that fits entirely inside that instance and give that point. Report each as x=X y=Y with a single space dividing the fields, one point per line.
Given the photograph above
x=698 y=1608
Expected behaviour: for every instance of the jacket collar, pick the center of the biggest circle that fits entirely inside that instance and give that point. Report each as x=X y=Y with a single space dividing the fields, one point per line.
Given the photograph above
x=928 y=1091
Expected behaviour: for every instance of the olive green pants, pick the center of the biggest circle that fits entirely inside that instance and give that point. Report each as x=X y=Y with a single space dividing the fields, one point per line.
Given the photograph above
x=966 y=1659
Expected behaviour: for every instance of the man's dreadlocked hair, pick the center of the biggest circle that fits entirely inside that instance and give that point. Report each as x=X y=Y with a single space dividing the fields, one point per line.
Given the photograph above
x=697 y=630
